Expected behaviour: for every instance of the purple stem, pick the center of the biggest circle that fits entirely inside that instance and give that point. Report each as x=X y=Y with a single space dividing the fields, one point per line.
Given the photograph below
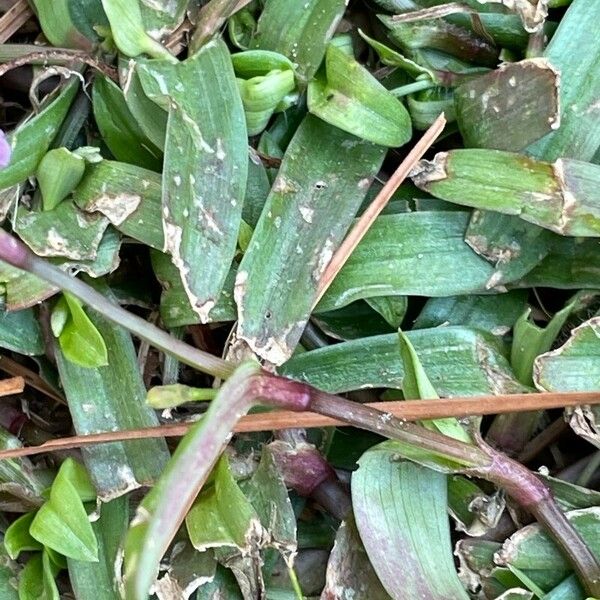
x=534 y=495
x=164 y=508
x=307 y=472
x=18 y=255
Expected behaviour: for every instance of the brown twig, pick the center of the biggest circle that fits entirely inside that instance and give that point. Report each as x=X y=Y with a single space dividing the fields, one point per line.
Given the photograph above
x=13 y=19
x=177 y=40
x=14 y=385
x=32 y=379
x=60 y=57
x=409 y=411
x=368 y=217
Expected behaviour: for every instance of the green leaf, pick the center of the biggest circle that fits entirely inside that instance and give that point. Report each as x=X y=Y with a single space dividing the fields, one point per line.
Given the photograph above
x=23 y=290
x=559 y=196
x=459 y=362
x=571 y=368
x=349 y=570
x=17 y=538
x=188 y=570
x=31 y=140
x=322 y=180
x=391 y=308
x=505 y=30
x=205 y=169
x=36 y=580
x=118 y=127
x=21 y=486
x=98 y=580
x=529 y=341
x=402 y=506
x=20 y=332
x=494 y=313
x=58 y=174
x=357 y=320
x=267 y=493
x=112 y=398
x=163 y=18
x=78 y=477
x=79 y=340
x=475 y=512
x=509 y=108
x=347 y=96
x=127 y=26
x=70 y=24
x=568 y=589
x=299 y=30
x=418 y=253
x=392 y=58
x=416 y=385
x=8 y=583
x=151 y=118
x=223 y=585
x=574 y=51
x=437 y=34
x=222 y=516
x=530 y=548
x=578 y=136
x=571 y=496
x=62 y=522
x=175 y=309
x=570 y=264
x=128 y=196
x=512 y=245
x=65 y=231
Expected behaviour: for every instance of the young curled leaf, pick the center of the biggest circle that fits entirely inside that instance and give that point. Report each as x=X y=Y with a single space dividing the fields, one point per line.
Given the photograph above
x=62 y=522
x=17 y=538
x=58 y=174
x=79 y=339
x=263 y=95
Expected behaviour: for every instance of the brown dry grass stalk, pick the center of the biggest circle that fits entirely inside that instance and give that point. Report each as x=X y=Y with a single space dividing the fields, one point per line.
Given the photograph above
x=14 y=385
x=410 y=411
x=13 y=19
x=32 y=379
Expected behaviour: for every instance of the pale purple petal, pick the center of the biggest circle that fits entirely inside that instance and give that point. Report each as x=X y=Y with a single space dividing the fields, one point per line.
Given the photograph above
x=4 y=150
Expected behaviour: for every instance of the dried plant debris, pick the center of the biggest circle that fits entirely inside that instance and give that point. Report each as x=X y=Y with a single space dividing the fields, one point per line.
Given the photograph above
x=179 y=184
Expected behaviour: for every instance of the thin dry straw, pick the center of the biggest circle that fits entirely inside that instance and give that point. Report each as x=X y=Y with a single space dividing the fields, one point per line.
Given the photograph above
x=408 y=410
